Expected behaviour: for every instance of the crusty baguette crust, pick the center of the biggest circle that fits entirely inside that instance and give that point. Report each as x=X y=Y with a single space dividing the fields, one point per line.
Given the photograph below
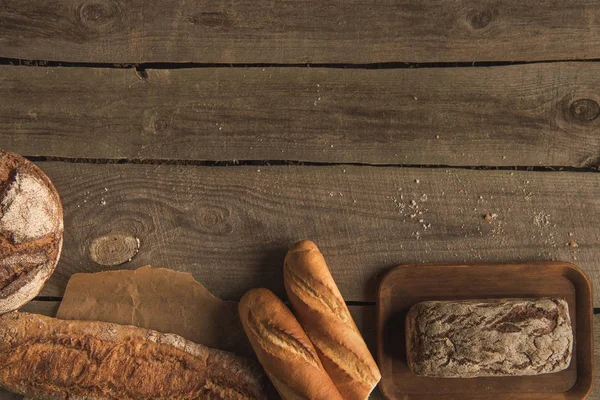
x=324 y=316
x=51 y=359
x=283 y=348
x=31 y=230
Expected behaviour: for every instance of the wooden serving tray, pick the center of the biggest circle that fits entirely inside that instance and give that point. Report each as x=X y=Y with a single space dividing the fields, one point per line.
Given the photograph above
x=406 y=285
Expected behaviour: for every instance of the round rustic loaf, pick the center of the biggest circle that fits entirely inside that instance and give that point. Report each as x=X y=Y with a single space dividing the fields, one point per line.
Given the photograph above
x=31 y=230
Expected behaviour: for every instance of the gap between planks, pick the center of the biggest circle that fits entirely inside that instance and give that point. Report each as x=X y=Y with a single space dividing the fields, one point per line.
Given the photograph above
x=523 y=115
x=142 y=67
x=269 y=163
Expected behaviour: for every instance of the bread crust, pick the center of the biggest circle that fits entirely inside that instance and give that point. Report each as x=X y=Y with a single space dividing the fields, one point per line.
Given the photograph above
x=497 y=337
x=31 y=230
x=283 y=349
x=326 y=319
x=50 y=359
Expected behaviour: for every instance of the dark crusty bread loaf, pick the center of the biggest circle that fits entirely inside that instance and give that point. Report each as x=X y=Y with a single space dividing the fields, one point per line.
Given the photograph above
x=283 y=349
x=31 y=230
x=51 y=359
x=324 y=316
x=489 y=337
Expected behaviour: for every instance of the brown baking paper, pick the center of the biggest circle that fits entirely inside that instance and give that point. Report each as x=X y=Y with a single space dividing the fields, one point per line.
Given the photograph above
x=156 y=298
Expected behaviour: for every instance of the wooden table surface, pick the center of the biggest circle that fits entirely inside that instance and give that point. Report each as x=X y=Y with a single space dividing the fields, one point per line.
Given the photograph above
x=219 y=133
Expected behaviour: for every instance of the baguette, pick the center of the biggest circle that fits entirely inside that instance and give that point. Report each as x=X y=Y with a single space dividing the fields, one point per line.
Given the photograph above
x=324 y=316
x=287 y=355
x=50 y=359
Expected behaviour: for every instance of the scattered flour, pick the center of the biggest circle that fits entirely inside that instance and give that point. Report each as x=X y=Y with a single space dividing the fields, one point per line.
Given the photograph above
x=28 y=209
x=36 y=258
x=541 y=219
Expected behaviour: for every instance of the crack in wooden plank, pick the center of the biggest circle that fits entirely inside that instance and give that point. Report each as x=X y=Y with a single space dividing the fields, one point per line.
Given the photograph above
x=270 y=163
x=191 y=65
x=525 y=115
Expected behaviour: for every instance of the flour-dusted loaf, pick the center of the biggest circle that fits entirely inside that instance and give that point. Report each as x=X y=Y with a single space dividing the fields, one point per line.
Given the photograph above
x=283 y=349
x=324 y=316
x=461 y=339
x=31 y=230
x=51 y=359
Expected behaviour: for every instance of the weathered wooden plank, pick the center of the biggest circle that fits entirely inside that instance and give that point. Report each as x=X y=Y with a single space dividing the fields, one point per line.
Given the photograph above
x=542 y=114
x=231 y=226
x=305 y=31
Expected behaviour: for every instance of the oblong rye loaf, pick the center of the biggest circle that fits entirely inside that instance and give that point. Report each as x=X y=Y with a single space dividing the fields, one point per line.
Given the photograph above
x=473 y=338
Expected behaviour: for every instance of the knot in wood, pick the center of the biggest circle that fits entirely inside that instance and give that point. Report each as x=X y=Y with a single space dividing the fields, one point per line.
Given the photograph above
x=98 y=13
x=215 y=220
x=585 y=110
x=114 y=249
x=211 y=218
x=479 y=19
x=160 y=125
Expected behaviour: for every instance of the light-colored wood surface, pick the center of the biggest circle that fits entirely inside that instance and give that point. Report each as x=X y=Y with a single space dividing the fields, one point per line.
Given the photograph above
x=525 y=115
x=231 y=226
x=302 y=31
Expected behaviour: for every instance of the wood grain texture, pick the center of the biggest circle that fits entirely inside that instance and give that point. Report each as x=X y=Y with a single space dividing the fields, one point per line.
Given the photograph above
x=231 y=226
x=305 y=31
x=540 y=114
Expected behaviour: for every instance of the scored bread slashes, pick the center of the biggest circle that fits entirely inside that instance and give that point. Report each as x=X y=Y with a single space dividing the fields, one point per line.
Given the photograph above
x=31 y=230
x=326 y=319
x=285 y=352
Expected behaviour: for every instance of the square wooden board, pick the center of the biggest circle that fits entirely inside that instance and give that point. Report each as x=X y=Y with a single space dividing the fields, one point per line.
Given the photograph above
x=406 y=285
